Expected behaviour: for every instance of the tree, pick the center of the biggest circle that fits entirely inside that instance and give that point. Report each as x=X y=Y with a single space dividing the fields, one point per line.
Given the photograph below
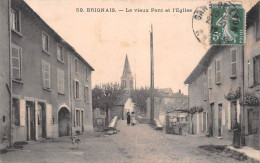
x=106 y=96
x=139 y=97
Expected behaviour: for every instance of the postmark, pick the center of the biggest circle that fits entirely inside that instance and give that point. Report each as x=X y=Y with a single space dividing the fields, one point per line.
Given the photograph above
x=201 y=23
x=227 y=24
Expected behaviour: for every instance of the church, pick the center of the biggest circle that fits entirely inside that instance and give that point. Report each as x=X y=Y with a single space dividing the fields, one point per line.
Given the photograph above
x=124 y=103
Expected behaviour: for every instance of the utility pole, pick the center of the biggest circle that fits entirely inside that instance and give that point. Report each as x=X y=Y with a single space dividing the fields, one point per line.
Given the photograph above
x=152 y=77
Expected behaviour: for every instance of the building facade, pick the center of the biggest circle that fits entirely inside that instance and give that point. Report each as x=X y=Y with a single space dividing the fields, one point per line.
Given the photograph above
x=51 y=82
x=5 y=86
x=220 y=84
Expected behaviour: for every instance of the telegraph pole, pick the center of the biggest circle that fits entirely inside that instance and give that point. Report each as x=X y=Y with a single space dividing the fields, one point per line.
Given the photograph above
x=152 y=77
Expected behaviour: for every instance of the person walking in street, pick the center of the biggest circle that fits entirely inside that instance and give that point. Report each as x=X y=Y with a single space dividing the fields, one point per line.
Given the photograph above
x=133 y=121
x=128 y=118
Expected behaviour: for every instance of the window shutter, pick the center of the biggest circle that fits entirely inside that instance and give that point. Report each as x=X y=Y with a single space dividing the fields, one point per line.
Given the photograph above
x=206 y=122
x=238 y=111
x=198 y=123
x=36 y=119
x=80 y=91
x=49 y=120
x=218 y=71
x=209 y=77
x=22 y=112
x=223 y=116
x=229 y=115
x=201 y=115
x=233 y=62
x=250 y=72
x=74 y=86
x=75 y=117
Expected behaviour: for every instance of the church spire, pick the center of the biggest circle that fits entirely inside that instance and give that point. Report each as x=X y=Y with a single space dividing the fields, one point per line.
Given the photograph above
x=127 y=78
x=126 y=66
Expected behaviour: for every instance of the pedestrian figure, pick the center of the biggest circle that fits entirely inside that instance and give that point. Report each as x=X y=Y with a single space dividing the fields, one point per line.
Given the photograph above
x=133 y=121
x=236 y=135
x=128 y=118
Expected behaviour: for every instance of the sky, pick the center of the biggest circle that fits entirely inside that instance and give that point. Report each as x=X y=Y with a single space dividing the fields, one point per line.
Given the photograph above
x=104 y=39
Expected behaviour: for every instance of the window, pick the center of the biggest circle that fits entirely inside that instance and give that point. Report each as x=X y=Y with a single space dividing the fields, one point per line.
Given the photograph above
x=131 y=84
x=205 y=91
x=86 y=73
x=218 y=71
x=15 y=19
x=45 y=42
x=209 y=77
x=254 y=71
x=86 y=94
x=76 y=89
x=46 y=74
x=60 y=56
x=76 y=65
x=233 y=60
x=60 y=74
x=123 y=83
x=16 y=110
x=258 y=27
x=257 y=70
x=77 y=118
x=16 y=62
x=250 y=119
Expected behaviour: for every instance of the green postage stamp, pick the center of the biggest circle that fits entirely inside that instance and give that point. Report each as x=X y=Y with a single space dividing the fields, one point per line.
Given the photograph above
x=227 y=24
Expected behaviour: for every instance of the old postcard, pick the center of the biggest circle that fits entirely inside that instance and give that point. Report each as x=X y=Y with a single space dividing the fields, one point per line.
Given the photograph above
x=129 y=81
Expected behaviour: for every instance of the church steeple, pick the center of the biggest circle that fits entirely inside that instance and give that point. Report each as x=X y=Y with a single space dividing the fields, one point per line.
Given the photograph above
x=127 y=66
x=127 y=78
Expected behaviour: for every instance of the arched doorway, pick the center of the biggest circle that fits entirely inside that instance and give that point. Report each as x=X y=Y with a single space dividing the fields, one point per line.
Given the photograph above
x=64 y=121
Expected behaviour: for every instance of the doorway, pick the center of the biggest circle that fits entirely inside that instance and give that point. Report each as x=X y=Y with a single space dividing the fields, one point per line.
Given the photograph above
x=211 y=120
x=30 y=121
x=82 y=121
x=219 y=119
x=41 y=119
x=64 y=122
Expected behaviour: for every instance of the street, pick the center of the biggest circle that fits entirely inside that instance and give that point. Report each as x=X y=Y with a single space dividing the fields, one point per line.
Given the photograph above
x=139 y=143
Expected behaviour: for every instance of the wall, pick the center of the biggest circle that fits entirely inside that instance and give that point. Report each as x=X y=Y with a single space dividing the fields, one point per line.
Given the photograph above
x=81 y=103
x=4 y=76
x=196 y=98
x=252 y=49
x=31 y=86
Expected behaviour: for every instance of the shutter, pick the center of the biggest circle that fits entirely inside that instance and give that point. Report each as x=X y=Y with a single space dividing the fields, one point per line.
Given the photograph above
x=238 y=111
x=209 y=77
x=229 y=115
x=198 y=123
x=74 y=86
x=233 y=62
x=75 y=118
x=49 y=120
x=206 y=122
x=201 y=115
x=223 y=116
x=250 y=72
x=22 y=112
x=80 y=91
x=36 y=119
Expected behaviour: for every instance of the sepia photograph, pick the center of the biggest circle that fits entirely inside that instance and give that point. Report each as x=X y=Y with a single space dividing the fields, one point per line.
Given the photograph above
x=129 y=81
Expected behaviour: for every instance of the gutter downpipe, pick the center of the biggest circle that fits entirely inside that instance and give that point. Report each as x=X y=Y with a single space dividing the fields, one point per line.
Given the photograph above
x=243 y=93
x=10 y=74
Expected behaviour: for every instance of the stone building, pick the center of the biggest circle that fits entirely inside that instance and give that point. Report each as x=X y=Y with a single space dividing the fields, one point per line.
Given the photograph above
x=166 y=102
x=5 y=86
x=222 y=72
x=51 y=82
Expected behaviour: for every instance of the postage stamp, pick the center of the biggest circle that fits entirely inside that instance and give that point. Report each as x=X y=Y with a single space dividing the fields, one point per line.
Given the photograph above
x=227 y=25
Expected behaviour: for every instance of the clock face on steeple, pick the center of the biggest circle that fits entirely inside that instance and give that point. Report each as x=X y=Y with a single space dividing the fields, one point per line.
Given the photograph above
x=127 y=78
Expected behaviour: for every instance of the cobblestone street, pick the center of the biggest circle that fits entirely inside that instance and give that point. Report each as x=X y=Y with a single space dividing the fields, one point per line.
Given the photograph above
x=138 y=143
